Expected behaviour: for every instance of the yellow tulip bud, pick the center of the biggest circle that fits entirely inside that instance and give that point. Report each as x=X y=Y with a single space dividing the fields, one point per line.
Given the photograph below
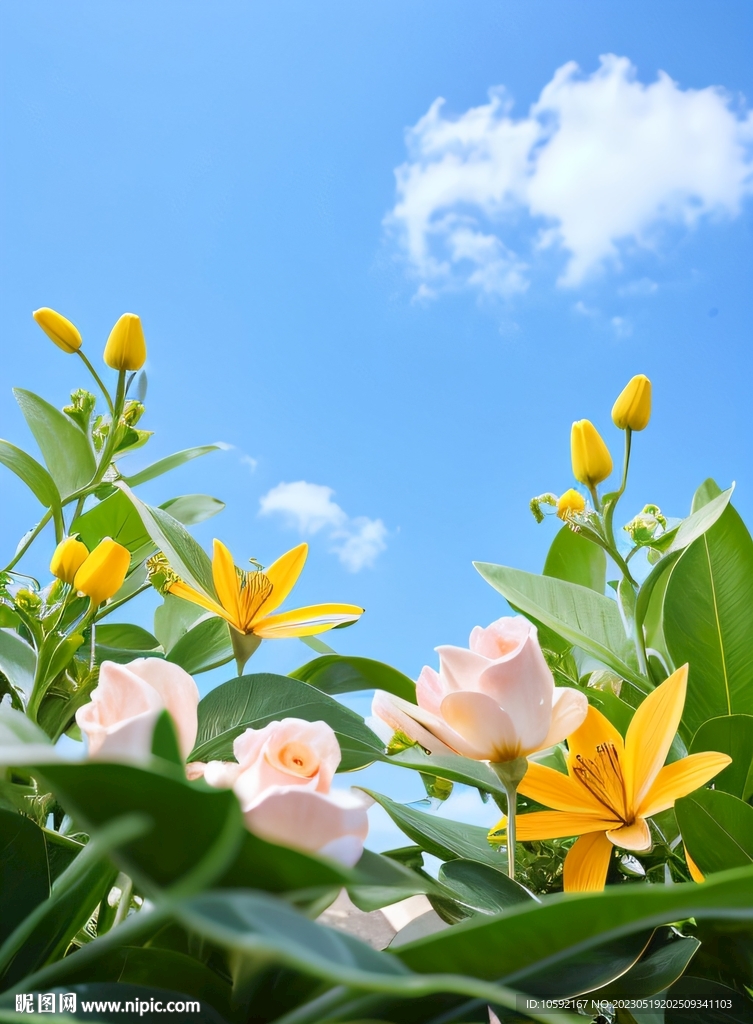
x=58 y=328
x=126 y=346
x=69 y=556
x=592 y=462
x=568 y=503
x=103 y=572
x=633 y=407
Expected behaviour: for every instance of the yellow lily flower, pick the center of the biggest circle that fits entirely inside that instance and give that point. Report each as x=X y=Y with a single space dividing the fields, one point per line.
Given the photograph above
x=613 y=786
x=246 y=598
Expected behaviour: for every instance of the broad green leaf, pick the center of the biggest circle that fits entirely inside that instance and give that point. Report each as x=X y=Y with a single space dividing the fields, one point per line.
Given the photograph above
x=582 y=972
x=187 y=558
x=186 y=818
x=64 y=446
x=168 y=463
x=705 y=493
x=34 y=475
x=482 y=888
x=24 y=880
x=191 y=509
x=335 y=673
x=448 y=766
x=18 y=661
x=114 y=517
x=165 y=740
x=382 y=881
x=695 y=1000
x=707 y=620
x=717 y=829
x=518 y=940
x=174 y=618
x=126 y=636
x=101 y=993
x=576 y=560
x=733 y=735
x=582 y=617
x=442 y=837
x=204 y=647
x=663 y=962
x=251 y=702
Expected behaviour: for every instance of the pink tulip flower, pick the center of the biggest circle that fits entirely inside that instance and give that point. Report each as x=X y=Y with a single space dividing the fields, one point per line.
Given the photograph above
x=283 y=779
x=494 y=701
x=119 y=719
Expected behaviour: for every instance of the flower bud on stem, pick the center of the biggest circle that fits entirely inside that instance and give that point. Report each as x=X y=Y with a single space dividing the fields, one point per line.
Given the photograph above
x=510 y=774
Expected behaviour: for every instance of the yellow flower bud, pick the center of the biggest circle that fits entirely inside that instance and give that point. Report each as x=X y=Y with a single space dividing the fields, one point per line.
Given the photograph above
x=568 y=503
x=592 y=462
x=58 y=328
x=69 y=556
x=126 y=346
x=633 y=407
x=103 y=572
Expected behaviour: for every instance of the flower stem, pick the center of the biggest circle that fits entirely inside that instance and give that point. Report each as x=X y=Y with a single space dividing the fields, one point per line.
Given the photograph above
x=510 y=774
x=96 y=376
x=31 y=538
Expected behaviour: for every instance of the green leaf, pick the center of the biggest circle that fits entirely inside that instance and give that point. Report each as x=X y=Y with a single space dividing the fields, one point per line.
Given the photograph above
x=251 y=702
x=114 y=517
x=576 y=560
x=206 y=646
x=381 y=881
x=126 y=636
x=24 y=881
x=482 y=888
x=663 y=962
x=335 y=673
x=717 y=829
x=582 y=617
x=174 y=618
x=18 y=661
x=705 y=493
x=187 y=558
x=442 y=837
x=733 y=735
x=448 y=766
x=186 y=818
x=516 y=942
x=64 y=446
x=262 y=865
x=34 y=475
x=191 y=509
x=165 y=741
x=168 y=463
x=707 y=620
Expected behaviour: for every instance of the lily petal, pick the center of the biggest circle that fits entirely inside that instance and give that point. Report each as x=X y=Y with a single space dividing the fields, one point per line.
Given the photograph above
x=680 y=778
x=315 y=618
x=695 y=872
x=181 y=589
x=557 y=825
x=283 y=575
x=650 y=735
x=225 y=579
x=483 y=724
x=595 y=730
x=587 y=863
x=400 y=715
x=635 y=836
x=558 y=791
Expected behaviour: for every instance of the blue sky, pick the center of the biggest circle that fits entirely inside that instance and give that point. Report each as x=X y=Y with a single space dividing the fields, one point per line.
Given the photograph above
x=414 y=348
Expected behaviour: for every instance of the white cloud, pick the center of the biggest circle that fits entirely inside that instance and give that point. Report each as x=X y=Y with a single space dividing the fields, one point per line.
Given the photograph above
x=622 y=327
x=248 y=460
x=584 y=310
x=643 y=287
x=601 y=162
x=309 y=508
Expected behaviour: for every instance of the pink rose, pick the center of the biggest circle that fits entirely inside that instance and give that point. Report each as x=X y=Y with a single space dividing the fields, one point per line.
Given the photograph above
x=493 y=702
x=119 y=720
x=283 y=779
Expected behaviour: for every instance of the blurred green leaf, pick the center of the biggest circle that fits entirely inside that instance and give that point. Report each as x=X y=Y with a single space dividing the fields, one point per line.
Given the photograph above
x=335 y=673
x=18 y=661
x=662 y=963
x=255 y=700
x=482 y=888
x=24 y=879
x=170 y=462
x=576 y=560
x=733 y=735
x=717 y=829
x=707 y=620
x=34 y=475
x=204 y=647
x=191 y=509
x=64 y=446
x=579 y=615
